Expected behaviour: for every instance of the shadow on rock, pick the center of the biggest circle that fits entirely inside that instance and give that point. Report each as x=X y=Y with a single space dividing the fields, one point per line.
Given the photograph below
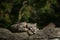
x=5 y=34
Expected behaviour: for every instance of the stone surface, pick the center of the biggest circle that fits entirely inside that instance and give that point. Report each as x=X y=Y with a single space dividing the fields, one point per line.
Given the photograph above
x=58 y=31
x=55 y=39
x=50 y=31
x=5 y=34
x=21 y=36
x=38 y=36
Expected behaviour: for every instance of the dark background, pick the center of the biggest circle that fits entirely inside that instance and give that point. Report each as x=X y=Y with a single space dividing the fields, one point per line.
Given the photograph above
x=41 y=12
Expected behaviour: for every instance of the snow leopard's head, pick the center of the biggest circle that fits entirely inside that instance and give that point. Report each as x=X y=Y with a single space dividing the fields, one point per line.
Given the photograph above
x=32 y=27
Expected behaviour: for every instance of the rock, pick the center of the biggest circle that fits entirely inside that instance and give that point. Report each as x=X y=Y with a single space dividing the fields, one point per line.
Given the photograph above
x=58 y=31
x=55 y=39
x=38 y=36
x=21 y=36
x=50 y=31
x=5 y=34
